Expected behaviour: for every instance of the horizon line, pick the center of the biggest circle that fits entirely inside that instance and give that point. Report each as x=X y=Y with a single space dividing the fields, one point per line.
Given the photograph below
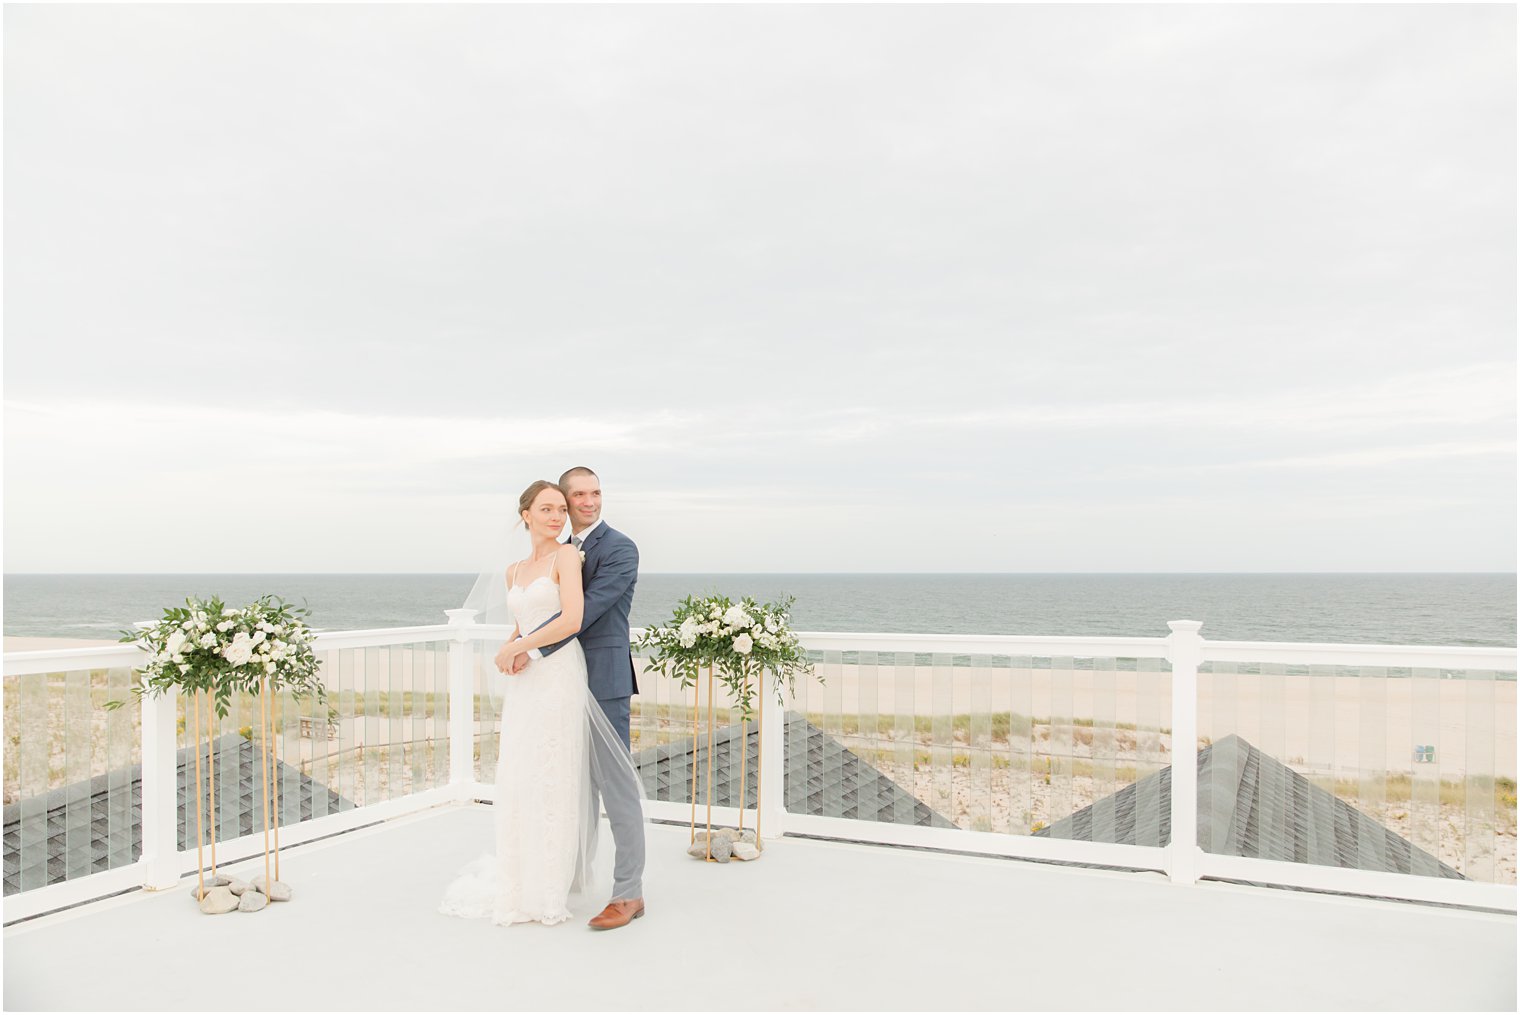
x=789 y=574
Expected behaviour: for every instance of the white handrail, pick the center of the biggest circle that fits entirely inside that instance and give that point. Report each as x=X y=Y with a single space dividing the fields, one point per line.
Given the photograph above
x=62 y=660
x=1414 y=656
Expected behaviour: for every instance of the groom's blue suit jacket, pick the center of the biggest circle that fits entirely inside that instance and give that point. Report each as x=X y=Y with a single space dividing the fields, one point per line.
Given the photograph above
x=608 y=576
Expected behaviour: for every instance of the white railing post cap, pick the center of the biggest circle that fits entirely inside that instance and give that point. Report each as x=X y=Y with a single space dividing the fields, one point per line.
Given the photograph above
x=461 y=617
x=1185 y=626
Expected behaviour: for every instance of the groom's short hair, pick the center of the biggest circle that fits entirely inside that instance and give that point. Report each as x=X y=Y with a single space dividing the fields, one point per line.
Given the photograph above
x=579 y=470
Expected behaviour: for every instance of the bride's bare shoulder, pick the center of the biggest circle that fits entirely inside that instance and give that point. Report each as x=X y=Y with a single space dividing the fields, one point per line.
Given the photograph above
x=567 y=553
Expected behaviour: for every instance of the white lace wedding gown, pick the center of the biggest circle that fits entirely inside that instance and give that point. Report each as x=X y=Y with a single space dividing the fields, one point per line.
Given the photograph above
x=543 y=844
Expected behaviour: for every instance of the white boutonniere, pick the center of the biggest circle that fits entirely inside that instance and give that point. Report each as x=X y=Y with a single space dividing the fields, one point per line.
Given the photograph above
x=583 y=555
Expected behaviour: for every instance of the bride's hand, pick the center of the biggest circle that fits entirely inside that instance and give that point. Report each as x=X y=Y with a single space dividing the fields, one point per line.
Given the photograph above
x=505 y=655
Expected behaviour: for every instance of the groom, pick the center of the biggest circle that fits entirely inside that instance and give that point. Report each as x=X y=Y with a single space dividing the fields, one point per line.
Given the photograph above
x=610 y=570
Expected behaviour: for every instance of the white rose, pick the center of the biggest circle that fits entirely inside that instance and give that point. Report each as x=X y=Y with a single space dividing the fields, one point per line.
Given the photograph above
x=743 y=644
x=228 y=611
x=240 y=651
x=175 y=643
x=260 y=636
x=187 y=625
x=225 y=625
x=208 y=639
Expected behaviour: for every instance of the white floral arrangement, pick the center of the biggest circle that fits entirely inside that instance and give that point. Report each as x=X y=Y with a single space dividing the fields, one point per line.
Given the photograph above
x=206 y=645
x=740 y=640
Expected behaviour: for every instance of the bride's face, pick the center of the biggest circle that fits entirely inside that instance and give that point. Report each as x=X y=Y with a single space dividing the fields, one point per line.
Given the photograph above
x=545 y=517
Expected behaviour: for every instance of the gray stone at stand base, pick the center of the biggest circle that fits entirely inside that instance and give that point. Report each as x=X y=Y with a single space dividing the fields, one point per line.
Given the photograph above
x=221 y=880
x=219 y=900
x=278 y=891
x=252 y=902
x=745 y=851
x=722 y=848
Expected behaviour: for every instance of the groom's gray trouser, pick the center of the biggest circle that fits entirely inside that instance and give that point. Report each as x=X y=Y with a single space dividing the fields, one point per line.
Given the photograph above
x=624 y=813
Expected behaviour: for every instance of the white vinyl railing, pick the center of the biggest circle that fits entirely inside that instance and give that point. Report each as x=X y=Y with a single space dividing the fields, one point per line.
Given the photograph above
x=1001 y=737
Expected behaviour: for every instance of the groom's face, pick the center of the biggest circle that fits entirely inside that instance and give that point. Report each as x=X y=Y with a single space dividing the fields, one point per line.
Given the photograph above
x=584 y=494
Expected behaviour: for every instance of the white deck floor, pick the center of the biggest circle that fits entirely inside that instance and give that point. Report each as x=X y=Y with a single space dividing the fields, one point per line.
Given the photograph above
x=814 y=925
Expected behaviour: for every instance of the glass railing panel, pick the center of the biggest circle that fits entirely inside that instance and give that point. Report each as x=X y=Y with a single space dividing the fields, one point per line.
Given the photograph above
x=1055 y=749
x=979 y=748
x=487 y=684
x=985 y=743
x=1102 y=708
x=905 y=754
x=1374 y=768
x=1151 y=753
x=28 y=747
x=366 y=744
x=1481 y=782
x=70 y=783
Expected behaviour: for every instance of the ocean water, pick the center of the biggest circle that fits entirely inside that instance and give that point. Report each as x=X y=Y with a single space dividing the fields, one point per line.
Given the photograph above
x=1403 y=609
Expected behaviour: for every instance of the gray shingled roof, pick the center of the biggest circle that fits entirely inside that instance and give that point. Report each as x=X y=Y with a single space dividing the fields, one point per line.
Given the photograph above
x=821 y=776
x=1252 y=805
x=70 y=829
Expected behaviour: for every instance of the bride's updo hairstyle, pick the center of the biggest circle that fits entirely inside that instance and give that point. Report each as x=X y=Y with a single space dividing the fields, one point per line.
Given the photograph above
x=530 y=495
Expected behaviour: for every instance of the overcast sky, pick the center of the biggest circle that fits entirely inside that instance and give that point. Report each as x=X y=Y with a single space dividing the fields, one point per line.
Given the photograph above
x=853 y=288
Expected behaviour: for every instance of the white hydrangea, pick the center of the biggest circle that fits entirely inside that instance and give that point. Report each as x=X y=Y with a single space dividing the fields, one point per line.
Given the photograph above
x=736 y=617
x=208 y=639
x=688 y=632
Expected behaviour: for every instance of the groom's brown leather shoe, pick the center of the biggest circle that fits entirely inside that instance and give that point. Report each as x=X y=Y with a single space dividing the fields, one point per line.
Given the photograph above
x=619 y=913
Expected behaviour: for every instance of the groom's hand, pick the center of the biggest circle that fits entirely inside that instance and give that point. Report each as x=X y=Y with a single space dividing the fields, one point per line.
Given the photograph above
x=520 y=662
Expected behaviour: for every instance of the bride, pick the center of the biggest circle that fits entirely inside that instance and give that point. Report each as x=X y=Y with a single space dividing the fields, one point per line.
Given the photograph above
x=545 y=815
